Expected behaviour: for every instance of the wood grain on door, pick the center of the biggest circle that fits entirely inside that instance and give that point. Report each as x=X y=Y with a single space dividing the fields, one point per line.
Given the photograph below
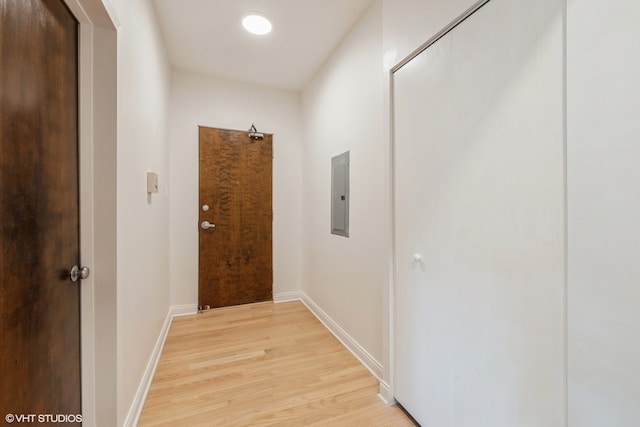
x=39 y=209
x=235 y=251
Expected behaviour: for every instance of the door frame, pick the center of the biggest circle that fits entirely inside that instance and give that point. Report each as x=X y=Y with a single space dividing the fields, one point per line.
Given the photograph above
x=97 y=109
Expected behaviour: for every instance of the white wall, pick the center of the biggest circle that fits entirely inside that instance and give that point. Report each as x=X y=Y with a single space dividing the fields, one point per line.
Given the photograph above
x=198 y=99
x=142 y=222
x=343 y=110
x=603 y=150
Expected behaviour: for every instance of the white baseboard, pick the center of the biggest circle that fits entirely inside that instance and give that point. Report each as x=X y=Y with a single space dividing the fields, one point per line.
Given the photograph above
x=143 y=388
x=183 y=310
x=288 y=296
x=384 y=394
x=350 y=344
x=347 y=341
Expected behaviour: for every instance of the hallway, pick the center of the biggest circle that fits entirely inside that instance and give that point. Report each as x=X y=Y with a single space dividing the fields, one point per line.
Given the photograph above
x=258 y=365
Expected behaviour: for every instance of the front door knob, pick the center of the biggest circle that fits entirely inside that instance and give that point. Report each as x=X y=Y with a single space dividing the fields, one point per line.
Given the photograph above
x=207 y=225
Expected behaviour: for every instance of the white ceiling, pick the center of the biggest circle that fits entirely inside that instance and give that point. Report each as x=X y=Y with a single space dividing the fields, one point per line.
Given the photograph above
x=207 y=36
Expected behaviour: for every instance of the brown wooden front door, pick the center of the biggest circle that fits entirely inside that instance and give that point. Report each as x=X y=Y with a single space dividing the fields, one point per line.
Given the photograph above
x=235 y=252
x=39 y=212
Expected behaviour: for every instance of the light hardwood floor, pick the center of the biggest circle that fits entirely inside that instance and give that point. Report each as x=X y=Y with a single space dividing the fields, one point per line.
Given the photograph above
x=261 y=365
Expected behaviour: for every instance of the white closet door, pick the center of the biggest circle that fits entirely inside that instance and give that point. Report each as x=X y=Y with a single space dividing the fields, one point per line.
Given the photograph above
x=479 y=222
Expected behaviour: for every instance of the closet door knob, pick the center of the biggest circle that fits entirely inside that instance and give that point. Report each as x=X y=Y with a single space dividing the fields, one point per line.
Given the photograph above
x=78 y=273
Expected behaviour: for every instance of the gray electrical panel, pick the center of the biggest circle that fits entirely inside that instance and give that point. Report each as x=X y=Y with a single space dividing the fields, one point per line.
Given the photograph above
x=340 y=195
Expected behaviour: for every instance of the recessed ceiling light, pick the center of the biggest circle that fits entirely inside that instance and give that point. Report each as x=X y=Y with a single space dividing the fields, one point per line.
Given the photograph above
x=257 y=24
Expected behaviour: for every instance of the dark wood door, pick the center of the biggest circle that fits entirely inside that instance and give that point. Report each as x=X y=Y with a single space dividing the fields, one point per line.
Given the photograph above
x=235 y=252
x=39 y=210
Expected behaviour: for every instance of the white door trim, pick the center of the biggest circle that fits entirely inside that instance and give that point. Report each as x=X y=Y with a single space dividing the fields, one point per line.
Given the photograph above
x=97 y=53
